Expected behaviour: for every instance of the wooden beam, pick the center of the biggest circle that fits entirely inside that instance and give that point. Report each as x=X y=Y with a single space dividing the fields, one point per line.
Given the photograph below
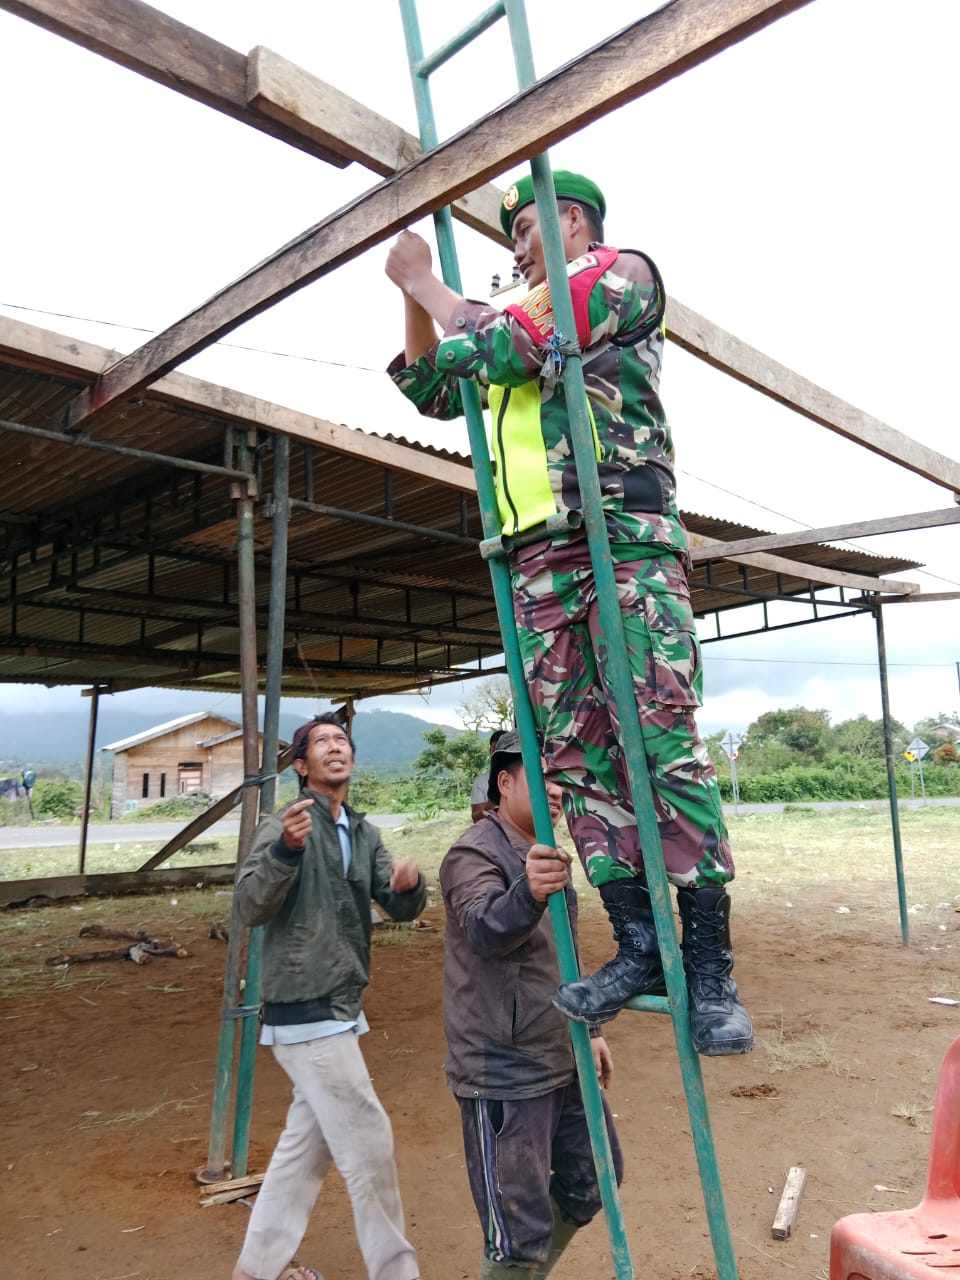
x=926 y=597
x=262 y=89
x=835 y=533
x=203 y=821
x=43 y=351
x=789 y=1205
x=112 y=883
x=155 y=45
x=274 y=95
x=809 y=572
x=643 y=56
x=730 y=355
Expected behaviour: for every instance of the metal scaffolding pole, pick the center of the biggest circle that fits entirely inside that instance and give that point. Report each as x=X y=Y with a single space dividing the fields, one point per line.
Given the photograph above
x=268 y=788
x=891 y=773
x=88 y=776
x=232 y=1008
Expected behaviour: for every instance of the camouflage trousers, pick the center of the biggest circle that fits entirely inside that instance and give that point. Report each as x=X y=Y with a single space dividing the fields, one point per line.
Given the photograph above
x=564 y=655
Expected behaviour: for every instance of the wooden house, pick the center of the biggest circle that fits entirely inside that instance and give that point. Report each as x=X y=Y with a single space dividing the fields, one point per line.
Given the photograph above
x=198 y=753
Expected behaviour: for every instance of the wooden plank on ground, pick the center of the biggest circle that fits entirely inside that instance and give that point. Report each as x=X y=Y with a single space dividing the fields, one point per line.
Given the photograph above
x=643 y=56
x=789 y=1205
x=232 y=1184
x=111 y=884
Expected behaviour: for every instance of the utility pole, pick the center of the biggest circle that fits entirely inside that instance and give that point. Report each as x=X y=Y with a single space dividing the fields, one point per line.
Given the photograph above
x=731 y=746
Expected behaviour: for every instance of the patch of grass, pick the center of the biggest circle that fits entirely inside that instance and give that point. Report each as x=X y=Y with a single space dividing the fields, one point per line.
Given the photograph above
x=427 y=842
x=62 y=860
x=842 y=852
x=395 y=935
x=130 y=1119
x=914 y=1112
x=794 y=1053
x=29 y=935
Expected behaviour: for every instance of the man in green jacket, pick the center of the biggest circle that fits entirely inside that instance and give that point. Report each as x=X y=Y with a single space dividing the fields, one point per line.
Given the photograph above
x=309 y=879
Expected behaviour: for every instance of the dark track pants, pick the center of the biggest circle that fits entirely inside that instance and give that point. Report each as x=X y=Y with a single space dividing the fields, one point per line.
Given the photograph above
x=521 y=1153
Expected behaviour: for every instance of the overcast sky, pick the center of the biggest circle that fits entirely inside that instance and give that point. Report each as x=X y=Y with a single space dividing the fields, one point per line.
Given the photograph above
x=798 y=190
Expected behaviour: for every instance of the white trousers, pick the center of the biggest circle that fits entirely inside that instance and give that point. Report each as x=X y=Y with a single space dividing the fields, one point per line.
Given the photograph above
x=335 y=1117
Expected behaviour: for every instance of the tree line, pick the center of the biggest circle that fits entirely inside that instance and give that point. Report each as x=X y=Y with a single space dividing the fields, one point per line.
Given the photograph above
x=787 y=756
x=797 y=754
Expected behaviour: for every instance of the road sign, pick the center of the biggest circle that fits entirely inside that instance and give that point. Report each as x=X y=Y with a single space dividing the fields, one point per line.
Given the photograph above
x=731 y=746
x=908 y=755
x=919 y=748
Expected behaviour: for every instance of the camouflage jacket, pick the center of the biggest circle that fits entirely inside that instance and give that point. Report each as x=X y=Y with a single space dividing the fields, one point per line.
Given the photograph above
x=618 y=304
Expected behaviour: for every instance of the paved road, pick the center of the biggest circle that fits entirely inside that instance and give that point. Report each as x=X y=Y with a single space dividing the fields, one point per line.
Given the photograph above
x=156 y=833
x=145 y=833
x=932 y=802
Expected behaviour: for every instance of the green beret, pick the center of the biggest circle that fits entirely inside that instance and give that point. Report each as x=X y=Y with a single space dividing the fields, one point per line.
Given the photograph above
x=568 y=186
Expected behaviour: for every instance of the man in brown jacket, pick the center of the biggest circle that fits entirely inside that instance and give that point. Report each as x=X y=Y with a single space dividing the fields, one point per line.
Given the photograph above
x=509 y=1058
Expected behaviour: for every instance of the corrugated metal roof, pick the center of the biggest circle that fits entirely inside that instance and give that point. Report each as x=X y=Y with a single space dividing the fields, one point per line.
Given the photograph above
x=123 y=571
x=168 y=726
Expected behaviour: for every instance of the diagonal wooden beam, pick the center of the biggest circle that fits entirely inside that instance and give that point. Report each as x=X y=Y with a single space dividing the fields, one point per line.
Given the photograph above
x=640 y=58
x=835 y=533
x=731 y=355
x=274 y=95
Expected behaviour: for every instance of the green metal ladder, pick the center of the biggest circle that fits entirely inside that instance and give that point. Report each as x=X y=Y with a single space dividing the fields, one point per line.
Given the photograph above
x=675 y=1003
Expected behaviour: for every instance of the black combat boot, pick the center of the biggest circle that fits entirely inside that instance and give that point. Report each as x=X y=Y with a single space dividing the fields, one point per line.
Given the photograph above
x=635 y=970
x=719 y=1022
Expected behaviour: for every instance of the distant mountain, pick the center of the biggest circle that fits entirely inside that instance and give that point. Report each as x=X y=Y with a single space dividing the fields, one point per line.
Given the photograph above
x=387 y=741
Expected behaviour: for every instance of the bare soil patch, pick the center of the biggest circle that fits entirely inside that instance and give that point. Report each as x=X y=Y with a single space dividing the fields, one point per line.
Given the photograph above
x=107 y=1072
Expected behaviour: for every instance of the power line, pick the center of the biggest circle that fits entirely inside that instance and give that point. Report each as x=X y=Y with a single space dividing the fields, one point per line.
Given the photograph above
x=801 y=524
x=825 y=662
x=235 y=346
x=362 y=368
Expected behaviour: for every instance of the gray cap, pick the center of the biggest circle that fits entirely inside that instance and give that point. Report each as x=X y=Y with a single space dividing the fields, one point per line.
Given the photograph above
x=508 y=749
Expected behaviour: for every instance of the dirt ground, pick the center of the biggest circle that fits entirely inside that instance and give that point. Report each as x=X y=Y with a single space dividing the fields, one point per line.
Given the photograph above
x=107 y=1087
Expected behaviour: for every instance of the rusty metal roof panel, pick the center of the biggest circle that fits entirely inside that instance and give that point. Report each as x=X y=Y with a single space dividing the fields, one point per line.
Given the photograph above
x=123 y=570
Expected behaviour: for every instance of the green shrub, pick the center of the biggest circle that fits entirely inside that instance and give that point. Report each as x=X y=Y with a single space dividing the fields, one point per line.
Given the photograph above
x=57 y=798
x=839 y=777
x=175 y=807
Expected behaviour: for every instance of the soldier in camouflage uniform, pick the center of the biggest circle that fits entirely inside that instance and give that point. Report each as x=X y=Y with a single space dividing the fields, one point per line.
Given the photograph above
x=517 y=358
